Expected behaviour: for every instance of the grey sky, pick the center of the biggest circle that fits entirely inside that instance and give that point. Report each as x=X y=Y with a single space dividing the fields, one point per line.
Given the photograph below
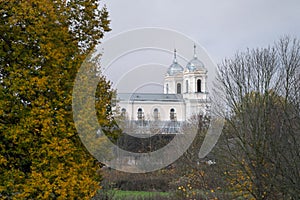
x=220 y=27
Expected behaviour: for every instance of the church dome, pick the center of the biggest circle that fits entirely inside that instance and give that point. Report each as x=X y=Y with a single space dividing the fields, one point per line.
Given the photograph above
x=175 y=68
x=195 y=64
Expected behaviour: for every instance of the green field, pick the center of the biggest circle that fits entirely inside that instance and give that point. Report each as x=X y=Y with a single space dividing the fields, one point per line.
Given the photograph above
x=133 y=195
x=138 y=194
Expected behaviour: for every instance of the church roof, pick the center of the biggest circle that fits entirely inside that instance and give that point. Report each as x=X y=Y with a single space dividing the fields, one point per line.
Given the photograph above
x=149 y=97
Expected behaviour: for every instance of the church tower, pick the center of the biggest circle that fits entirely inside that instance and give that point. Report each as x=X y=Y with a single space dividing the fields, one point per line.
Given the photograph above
x=190 y=83
x=194 y=84
x=173 y=78
x=194 y=77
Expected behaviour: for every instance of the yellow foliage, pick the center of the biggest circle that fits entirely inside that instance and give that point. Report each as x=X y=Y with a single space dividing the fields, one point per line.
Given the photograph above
x=41 y=155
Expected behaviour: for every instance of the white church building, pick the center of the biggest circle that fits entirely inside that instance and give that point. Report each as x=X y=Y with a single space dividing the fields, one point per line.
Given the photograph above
x=185 y=94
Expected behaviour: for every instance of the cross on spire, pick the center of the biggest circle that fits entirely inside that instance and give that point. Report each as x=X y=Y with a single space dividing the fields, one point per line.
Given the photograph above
x=175 y=56
x=195 y=55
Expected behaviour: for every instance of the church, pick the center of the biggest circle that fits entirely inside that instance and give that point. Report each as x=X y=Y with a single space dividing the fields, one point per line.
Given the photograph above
x=185 y=94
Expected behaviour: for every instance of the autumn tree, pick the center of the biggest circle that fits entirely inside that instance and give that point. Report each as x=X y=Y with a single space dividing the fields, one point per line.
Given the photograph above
x=43 y=44
x=259 y=149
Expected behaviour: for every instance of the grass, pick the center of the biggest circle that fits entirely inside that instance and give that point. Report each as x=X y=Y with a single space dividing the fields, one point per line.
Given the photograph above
x=137 y=195
x=131 y=195
x=144 y=195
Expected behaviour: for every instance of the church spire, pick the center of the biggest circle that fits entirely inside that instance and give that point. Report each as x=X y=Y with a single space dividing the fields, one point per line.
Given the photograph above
x=195 y=55
x=175 y=56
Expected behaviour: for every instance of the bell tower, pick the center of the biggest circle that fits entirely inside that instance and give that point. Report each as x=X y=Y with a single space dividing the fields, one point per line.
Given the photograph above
x=194 y=84
x=173 y=78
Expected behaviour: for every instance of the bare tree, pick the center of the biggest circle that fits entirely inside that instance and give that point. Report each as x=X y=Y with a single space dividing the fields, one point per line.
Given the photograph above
x=260 y=145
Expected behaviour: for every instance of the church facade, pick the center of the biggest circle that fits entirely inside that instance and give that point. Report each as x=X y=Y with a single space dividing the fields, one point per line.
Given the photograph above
x=185 y=94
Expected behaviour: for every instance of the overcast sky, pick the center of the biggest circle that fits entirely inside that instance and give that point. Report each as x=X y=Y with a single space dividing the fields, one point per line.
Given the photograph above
x=222 y=27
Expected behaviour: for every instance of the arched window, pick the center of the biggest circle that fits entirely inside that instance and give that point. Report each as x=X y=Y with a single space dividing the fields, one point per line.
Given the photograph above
x=167 y=88
x=172 y=114
x=178 y=88
x=155 y=114
x=123 y=112
x=187 y=86
x=140 y=114
x=199 y=85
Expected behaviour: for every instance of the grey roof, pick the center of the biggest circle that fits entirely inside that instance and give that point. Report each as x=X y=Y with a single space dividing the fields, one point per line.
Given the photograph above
x=149 y=97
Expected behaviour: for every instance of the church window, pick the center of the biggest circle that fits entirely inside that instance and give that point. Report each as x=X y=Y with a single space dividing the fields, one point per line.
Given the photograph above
x=199 y=85
x=155 y=114
x=172 y=114
x=140 y=114
x=178 y=88
x=167 y=88
x=123 y=112
x=187 y=86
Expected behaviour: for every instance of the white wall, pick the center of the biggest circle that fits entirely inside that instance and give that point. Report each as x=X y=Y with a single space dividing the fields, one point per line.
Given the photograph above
x=192 y=78
x=172 y=82
x=148 y=109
